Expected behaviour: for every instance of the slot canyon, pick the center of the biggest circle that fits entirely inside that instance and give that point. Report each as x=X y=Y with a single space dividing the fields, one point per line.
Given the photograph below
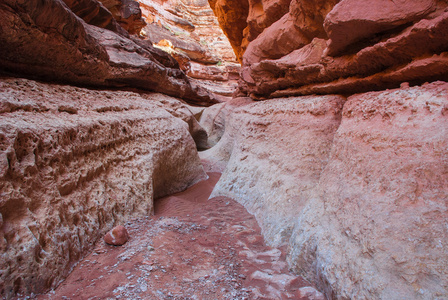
x=251 y=149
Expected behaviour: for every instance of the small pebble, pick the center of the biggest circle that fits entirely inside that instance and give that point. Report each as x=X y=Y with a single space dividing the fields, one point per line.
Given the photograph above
x=117 y=236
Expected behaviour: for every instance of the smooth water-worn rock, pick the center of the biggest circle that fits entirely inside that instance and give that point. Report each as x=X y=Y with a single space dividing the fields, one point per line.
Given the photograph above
x=73 y=163
x=276 y=151
x=357 y=189
x=377 y=229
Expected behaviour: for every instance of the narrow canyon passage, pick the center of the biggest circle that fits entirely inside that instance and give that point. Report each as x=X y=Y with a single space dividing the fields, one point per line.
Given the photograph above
x=192 y=248
x=319 y=128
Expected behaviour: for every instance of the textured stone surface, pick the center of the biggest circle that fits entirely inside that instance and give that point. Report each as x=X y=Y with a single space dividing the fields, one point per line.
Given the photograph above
x=213 y=121
x=74 y=162
x=190 y=26
x=189 y=32
x=117 y=236
x=186 y=113
x=294 y=29
x=276 y=41
x=94 y=13
x=46 y=40
x=382 y=204
x=263 y=14
x=191 y=248
x=232 y=17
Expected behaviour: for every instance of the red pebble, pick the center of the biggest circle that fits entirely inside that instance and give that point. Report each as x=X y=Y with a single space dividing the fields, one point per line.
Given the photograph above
x=117 y=236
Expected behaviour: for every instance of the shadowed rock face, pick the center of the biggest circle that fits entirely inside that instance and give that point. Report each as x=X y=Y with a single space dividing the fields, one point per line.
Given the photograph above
x=44 y=39
x=75 y=162
x=325 y=47
x=94 y=13
x=232 y=17
x=127 y=13
x=122 y=16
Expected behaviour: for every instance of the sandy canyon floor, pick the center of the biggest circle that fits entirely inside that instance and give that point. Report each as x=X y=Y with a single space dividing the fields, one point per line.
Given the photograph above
x=191 y=248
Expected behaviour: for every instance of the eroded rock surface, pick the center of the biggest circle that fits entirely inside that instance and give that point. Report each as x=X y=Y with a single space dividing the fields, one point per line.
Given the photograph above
x=358 y=193
x=74 y=162
x=127 y=13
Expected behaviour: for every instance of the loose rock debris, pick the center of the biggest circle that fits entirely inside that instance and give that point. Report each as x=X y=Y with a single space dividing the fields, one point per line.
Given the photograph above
x=192 y=248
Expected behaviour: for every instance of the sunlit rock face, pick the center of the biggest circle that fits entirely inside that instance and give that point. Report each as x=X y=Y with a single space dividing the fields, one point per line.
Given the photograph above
x=345 y=162
x=189 y=31
x=347 y=46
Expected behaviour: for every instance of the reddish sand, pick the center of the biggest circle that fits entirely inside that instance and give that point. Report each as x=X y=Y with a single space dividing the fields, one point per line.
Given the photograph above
x=190 y=249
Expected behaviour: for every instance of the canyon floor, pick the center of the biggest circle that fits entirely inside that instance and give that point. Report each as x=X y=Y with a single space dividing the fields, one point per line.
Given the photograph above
x=191 y=248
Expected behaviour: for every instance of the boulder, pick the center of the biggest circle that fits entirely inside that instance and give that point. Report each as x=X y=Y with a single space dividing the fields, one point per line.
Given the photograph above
x=351 y=21
x=279 y=39
x=75 y=162
x=127 y=13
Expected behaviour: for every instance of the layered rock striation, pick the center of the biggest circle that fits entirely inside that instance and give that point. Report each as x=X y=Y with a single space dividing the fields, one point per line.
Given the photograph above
x=343 y=47
x=47 y=40
x=75 y=162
